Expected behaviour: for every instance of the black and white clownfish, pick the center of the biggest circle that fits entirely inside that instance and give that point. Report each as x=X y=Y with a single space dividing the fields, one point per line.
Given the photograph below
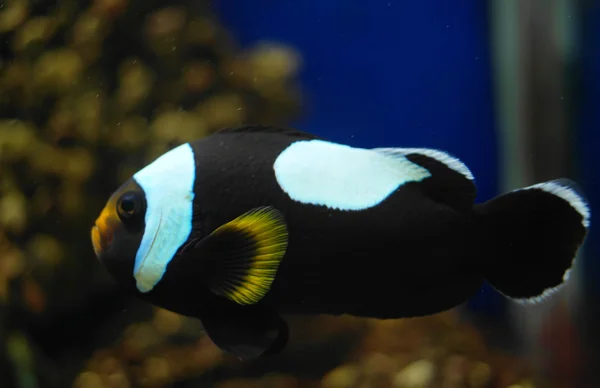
x=249 y=223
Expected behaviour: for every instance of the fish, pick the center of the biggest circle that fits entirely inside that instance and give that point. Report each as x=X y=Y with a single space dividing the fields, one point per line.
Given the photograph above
x=253 y=223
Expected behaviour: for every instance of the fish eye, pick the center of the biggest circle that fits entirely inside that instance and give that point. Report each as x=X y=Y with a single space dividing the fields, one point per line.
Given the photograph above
x=129 y=206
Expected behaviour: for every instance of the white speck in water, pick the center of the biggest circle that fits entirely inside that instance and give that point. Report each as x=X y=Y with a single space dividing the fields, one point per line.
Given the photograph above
x=118 y=124
x=239 y=108
x=97 y=95
x=389 y=3
x=134 y=61
x=562 y=97
x=447 y=25
x=173 y=48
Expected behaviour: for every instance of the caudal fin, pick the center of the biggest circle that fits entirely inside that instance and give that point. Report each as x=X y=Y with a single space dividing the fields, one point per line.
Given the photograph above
x=532 y=236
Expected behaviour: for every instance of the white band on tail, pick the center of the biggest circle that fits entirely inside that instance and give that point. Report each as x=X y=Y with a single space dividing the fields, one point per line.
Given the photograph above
x=568 y=194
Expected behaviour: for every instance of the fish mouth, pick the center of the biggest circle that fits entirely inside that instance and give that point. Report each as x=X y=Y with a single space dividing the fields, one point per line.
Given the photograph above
x=96 y=241
x=102 y=233
x=102 y=236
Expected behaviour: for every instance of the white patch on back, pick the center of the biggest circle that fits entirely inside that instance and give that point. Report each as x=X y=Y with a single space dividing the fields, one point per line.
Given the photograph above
x=569 y=195
x=168 y=184
x=341 y=177
x=442 y=157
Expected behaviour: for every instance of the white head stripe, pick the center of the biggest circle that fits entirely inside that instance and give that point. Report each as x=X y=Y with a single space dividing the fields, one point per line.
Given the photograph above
x=168 y=184
x=342 y=177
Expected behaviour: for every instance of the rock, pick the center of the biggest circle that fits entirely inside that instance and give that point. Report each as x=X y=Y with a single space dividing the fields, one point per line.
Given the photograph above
x=418 y=374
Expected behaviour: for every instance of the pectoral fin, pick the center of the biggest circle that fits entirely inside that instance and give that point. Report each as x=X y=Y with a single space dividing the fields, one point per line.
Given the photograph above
x=244 y=254
x=247 y=336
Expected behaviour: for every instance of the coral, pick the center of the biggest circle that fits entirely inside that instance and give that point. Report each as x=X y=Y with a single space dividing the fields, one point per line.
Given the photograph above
x=91 y=91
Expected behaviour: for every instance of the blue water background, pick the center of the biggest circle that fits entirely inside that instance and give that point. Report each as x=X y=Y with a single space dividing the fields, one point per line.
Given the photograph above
x=587 y=119
x=389 y=73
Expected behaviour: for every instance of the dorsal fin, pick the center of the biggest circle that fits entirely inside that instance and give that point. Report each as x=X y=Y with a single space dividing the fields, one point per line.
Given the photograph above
x=270 y=129
x=451 y=181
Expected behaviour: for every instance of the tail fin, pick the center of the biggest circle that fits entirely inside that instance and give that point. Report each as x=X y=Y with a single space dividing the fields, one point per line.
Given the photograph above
x=533 y=235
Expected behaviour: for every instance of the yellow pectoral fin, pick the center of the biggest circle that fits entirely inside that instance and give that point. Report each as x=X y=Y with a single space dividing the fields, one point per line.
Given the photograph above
x=249 y=250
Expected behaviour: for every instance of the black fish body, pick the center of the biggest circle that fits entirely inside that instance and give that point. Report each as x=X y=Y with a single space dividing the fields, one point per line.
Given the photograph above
x=338 y=261
x=383 y=233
